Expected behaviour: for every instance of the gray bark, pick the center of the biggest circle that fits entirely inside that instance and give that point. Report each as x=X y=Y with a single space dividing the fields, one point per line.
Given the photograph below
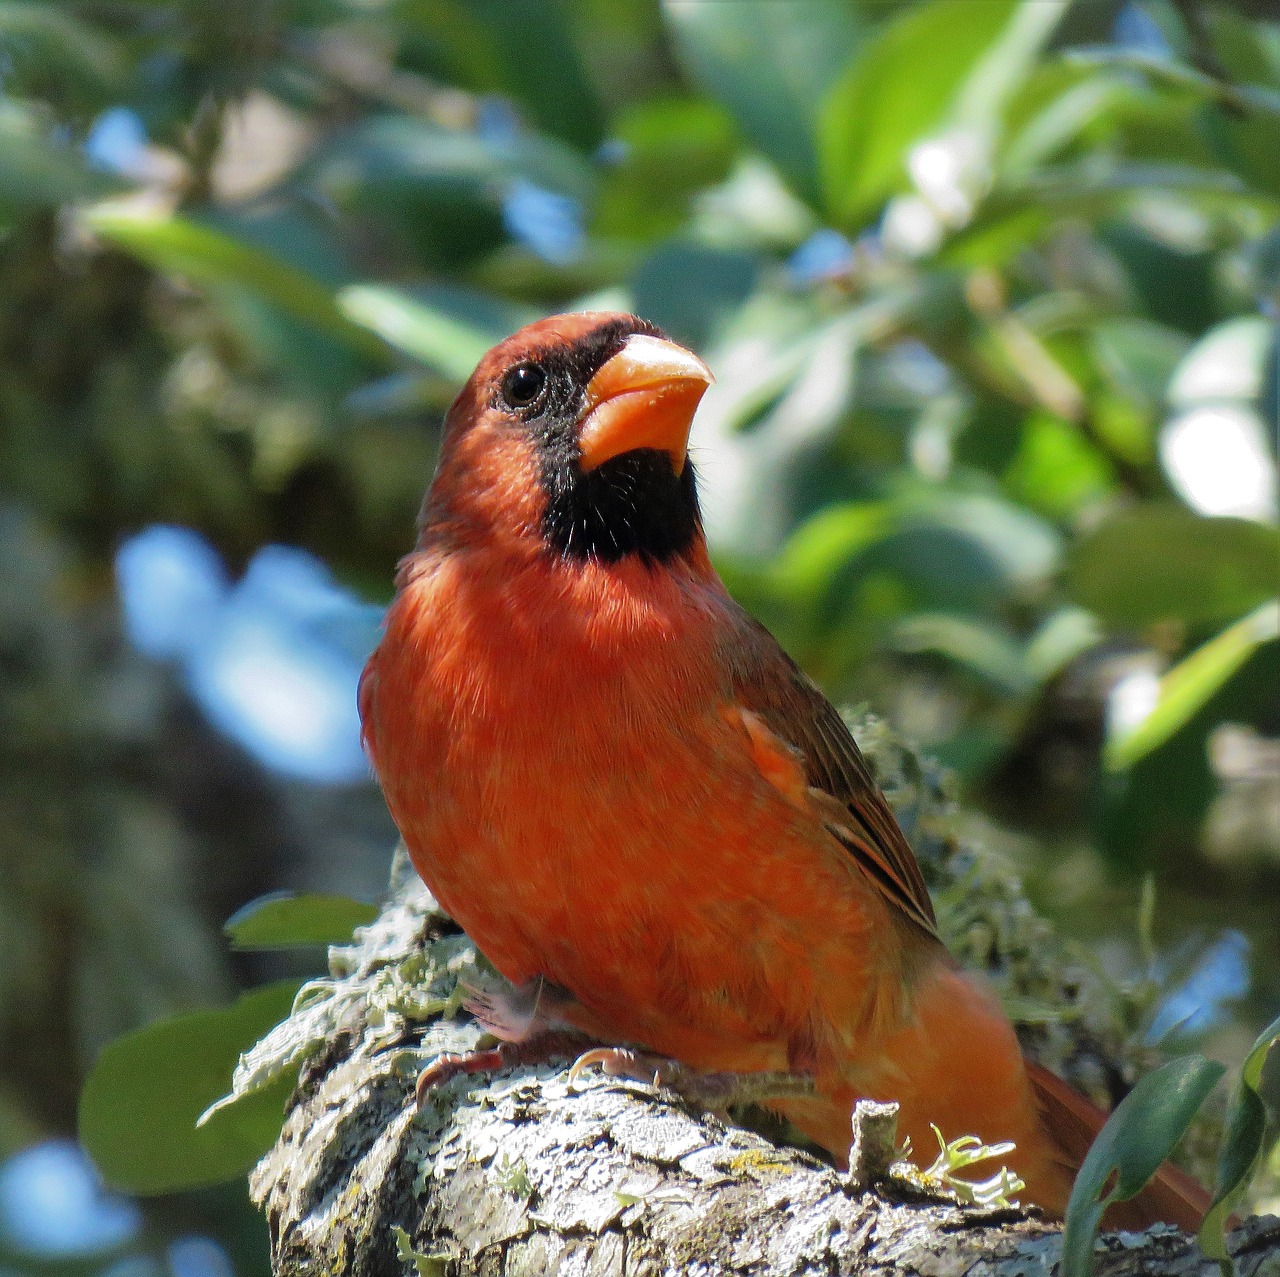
x=517 y=1175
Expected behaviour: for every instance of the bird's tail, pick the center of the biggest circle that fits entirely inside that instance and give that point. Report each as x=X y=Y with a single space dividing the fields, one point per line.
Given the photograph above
x=955 y=1066
x=1072 y=1121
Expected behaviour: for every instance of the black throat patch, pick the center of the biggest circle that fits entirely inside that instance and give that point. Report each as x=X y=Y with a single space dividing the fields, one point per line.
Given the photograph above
x=632 y=504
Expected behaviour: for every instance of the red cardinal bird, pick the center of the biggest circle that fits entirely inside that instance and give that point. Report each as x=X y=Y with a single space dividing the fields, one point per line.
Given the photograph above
x=637 y=805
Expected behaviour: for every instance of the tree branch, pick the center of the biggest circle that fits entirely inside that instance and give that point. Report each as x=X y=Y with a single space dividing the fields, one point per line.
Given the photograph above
x=518 y=1176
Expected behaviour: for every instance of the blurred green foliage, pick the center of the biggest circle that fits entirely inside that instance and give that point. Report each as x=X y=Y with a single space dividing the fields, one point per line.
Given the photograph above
x=989 y=286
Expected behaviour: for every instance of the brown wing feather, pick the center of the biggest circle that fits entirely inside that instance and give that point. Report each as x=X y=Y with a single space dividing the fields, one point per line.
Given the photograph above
x=769 y=683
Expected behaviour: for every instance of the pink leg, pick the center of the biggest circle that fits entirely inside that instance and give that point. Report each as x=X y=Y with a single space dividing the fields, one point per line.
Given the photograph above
x=506 y=1055
x=528 y=1023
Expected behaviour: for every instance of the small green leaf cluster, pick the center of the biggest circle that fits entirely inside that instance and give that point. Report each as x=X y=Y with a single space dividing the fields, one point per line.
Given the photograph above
x=1143 y=1131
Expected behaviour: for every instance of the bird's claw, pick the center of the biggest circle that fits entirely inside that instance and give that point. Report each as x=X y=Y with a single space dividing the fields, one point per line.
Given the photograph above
x=444 y=1068
x=714 y=1091
x=539 y=1049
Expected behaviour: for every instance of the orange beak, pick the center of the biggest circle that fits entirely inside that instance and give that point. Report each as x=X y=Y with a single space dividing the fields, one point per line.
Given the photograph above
x=644 y=397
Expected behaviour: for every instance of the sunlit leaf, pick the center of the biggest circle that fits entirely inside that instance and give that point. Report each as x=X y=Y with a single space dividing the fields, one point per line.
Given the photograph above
x=207 y=256
x=1065 y=634
x=1005 y=65
x=1056 y=470
x=981 y=648
x=819 y=547
x=141 y=1100
x=1191 y=683
x=1154 y=563
x=284 y=920
x=668 y=150
x=1241 y=1147
x=1057 y=121
x=426 y=331
x=882 y=105
x=1144 y=1129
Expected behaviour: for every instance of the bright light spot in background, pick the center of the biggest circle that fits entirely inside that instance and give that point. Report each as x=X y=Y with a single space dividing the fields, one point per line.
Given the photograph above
x=117 y=142
x=947 y=170
x=291 y=703
x=52 y=1204
x=1215 y=448
x=1133 y=698
x=910 y=227
x=134 y=1266
x=1217 y=459
x=171 y=581
x=497 y=121
x=547 y=224
x=1135 y=28
x=195 y=1256
x=824 y=255
x=1221 y=975
x=274 y=660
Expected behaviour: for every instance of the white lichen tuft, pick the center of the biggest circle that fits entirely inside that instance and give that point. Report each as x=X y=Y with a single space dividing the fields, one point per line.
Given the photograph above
x=943 y=1176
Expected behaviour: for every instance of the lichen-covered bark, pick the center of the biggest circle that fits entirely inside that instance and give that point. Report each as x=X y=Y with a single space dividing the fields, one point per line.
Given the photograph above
x=518 y=1176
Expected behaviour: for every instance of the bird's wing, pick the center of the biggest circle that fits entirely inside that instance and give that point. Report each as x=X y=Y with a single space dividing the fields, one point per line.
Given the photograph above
x=768 y=684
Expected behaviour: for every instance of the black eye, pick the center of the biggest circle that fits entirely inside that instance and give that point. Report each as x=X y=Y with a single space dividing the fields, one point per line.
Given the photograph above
x=523 y=384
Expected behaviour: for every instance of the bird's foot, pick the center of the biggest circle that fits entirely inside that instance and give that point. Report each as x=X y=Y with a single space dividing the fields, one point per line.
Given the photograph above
x=539 y=1049
x=516 y=1013
x=717 y=1092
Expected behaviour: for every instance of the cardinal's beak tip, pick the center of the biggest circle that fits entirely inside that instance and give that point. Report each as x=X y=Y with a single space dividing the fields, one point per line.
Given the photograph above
x=644 y=396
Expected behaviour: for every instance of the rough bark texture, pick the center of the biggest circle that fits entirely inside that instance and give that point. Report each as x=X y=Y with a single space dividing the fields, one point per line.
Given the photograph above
x=517 y=1175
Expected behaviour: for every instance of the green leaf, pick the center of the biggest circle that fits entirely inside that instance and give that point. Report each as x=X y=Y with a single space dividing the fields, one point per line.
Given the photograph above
x=1055 y=122
x=1241 y=1146
x=140 y=1103
x=1191 y=683
x=1064 y=635
x=670 y=149
x=399 y=152
x=1056 y=469
x=882 y=104
x=42 y=39
x=1155 y=563
x=691 y=290
x=1251 y=99
x=981 y=647
x=770 y=65
x=36 y=169
x=1136 y=1139
x=523 y=51
x=1139 y=357
x=207 y=256
x=996 y=544
x=1247 y=142
x=808 y=564
x=450 y=345
x=1006 y=65
x=283 y=920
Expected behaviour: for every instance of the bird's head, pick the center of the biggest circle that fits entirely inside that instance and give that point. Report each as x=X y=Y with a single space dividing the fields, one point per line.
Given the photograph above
x=572 y=436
